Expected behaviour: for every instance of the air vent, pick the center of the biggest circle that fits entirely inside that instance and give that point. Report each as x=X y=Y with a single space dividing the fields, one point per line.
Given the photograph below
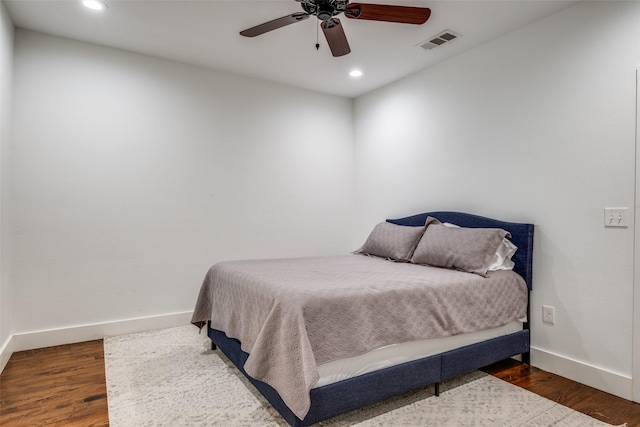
x=442 y=38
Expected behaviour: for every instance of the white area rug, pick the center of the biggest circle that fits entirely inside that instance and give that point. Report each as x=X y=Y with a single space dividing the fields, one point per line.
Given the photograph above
x=172 y=378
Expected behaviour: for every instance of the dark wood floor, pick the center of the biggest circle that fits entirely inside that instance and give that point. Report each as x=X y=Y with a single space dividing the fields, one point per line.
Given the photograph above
x=65 y=386
x=55 y=386
x=588 y=400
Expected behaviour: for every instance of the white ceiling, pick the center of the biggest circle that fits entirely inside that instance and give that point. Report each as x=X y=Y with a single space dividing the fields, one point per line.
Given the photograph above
x=205 y=33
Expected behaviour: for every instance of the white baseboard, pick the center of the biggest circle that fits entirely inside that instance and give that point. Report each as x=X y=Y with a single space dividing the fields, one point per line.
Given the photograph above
x=6 y=350
x=74 y=334
x=593 y=376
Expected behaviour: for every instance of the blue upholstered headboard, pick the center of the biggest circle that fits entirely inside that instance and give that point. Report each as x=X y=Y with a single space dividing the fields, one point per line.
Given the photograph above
x=521 y=235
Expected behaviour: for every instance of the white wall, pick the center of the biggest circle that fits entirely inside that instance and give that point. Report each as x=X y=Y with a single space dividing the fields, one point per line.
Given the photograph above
x=536 y=126
x=132 y=175
x=6 y=78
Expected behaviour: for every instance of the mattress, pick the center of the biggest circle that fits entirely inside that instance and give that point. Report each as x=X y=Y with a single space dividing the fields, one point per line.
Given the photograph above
x=396 y=354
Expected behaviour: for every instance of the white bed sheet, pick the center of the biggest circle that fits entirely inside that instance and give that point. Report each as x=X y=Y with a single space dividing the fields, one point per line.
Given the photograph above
x=395 y=354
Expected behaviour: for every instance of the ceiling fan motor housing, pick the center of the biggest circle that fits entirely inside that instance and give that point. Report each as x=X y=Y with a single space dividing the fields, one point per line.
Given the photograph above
x=324 y=10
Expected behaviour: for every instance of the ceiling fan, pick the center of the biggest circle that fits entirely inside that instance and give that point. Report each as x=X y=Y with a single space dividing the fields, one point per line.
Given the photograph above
x=325 y=10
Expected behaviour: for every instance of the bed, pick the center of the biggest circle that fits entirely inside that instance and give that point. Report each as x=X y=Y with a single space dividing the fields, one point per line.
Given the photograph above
x=293 y=341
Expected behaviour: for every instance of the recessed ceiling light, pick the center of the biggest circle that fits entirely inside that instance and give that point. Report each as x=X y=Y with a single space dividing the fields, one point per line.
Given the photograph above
x=355 y=73
x=94 y=4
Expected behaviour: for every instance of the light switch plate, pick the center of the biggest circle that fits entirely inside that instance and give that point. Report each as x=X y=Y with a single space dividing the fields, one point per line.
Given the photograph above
x=616 y=217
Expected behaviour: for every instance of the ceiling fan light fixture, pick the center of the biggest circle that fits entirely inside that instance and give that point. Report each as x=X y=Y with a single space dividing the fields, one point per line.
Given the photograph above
x=94 y=5
x=355 y=73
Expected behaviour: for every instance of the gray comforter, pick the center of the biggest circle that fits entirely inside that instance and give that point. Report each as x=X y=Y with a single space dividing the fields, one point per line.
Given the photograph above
x=292 y=315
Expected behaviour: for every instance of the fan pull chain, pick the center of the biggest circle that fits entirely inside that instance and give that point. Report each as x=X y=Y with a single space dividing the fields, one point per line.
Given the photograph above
x=317 y=37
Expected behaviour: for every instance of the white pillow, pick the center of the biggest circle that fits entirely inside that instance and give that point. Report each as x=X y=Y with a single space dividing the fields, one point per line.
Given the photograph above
x=502 y=257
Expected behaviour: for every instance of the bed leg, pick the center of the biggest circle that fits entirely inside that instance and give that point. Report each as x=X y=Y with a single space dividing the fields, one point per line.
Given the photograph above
x=437 y=389
x=213 y=346
x=526 y=358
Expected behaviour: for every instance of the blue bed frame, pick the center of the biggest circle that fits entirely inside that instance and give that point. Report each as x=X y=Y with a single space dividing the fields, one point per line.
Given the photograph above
x=344 y=396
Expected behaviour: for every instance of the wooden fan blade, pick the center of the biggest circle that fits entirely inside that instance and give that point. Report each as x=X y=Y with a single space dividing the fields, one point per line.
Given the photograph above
x=275 y=24
x=387 y=13
x=334 y=33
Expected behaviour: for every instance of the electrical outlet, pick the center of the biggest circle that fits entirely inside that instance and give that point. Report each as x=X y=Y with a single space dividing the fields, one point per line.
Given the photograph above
x=548 y=314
